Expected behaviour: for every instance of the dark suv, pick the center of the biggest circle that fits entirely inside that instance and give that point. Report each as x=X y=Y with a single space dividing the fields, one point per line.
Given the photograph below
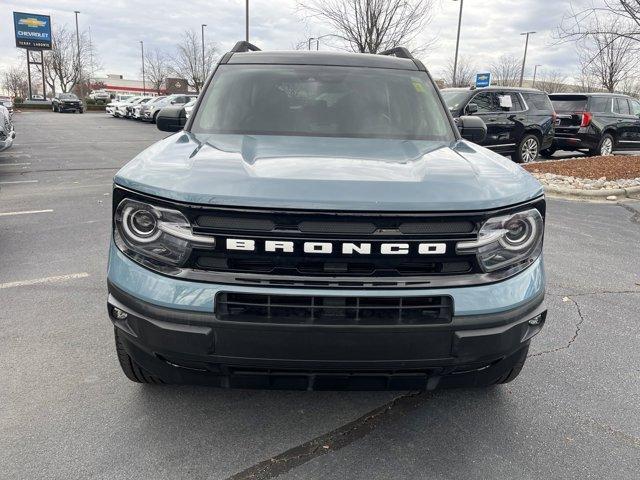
x=596 y=122
x=63 y=102
x=519 y=121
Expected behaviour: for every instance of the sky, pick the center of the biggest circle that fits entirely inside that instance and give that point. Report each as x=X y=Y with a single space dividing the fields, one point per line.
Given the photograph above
x=490 y=28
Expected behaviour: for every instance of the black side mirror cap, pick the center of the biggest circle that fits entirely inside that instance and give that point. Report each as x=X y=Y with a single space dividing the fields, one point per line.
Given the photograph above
x=471 y=108
x=171 y=119
x=472 y=128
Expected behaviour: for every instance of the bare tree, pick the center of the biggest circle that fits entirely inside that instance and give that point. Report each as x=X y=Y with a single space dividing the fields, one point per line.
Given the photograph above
x=582 y=22
x=631 y=86
x=14 y=81
x=156 y=67
x=506 y=71
x=552 y=82
x=371 y=26
x=607 y=56
x=187 y=62
x=465 y=73
x=61 y=62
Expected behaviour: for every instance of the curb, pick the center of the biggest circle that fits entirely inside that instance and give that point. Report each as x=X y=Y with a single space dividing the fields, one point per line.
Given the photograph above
x=596 y=194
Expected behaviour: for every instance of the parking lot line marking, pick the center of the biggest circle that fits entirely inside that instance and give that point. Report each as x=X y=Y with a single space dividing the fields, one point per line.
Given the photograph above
x=26 y=212
x=38 y=281
x=14 y=164
x=18 y=181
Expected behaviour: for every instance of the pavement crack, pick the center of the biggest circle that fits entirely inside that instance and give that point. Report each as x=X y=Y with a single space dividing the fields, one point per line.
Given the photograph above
x=578 y=327
x=332 y=441
x=635 y=218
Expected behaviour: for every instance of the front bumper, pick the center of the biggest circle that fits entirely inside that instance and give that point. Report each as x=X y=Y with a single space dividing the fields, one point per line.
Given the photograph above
x=7 y=141
x=171 y=331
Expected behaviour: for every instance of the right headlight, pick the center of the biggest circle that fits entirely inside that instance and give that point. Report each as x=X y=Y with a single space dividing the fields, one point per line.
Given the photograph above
x=157 y=233
x=507 y=241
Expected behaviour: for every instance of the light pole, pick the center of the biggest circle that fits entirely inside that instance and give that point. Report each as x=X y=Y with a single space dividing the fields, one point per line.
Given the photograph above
x=455 y=59
x=203 y=68
x=246 y=22
x=535 y=71
x=324 y=36
x=524 y=59
x=79 y=73
x=309 y=40
x=144 y=85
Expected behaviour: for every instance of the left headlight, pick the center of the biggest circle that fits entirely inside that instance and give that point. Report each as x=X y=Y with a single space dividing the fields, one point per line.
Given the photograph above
x=507 y=241
x=156 y=232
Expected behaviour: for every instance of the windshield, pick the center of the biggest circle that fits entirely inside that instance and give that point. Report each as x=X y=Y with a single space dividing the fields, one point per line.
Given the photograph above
x=322 y=101
x=454 y=98
x=68 y=96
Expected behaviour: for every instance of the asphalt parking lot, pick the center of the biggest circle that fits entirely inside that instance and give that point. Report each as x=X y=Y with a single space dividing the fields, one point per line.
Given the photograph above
x=67 y=411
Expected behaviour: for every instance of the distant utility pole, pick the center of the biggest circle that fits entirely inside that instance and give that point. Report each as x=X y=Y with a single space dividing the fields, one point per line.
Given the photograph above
x=309 y=40
x=79 y=72
x=524 y=59
x=144 y=85
x=246 y=25
x=203 y=69
x=455 y=59
x=535 y=71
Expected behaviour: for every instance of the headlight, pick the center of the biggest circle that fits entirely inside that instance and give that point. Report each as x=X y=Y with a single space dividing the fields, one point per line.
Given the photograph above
x=507 y=241
x=155 y=232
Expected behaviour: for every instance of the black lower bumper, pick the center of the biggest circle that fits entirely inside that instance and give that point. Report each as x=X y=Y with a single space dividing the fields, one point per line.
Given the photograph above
x=195 y=347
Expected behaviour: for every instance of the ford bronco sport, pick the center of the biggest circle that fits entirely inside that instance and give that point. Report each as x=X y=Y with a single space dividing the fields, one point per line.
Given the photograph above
x=319 y=222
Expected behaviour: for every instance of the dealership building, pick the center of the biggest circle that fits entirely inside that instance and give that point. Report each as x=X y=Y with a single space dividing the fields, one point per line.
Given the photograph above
x=117 y=84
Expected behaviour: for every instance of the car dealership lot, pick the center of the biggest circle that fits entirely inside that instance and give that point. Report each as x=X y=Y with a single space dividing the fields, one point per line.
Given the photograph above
x=67 y=411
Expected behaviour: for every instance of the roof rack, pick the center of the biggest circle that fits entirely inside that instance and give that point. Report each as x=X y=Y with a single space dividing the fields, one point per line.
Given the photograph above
x=244 y=46
x=400 y=52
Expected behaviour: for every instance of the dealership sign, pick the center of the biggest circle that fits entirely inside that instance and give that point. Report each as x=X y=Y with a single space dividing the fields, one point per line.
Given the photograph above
x=483 y=80
x=33 y=31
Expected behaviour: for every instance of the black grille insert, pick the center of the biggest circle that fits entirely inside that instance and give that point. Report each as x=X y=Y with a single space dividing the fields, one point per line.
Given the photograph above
x=332 y=310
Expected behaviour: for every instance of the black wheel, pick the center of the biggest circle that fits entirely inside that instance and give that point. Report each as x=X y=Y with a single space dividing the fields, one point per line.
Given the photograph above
x=155 y=116
x=515 y=370
x=527 y=150
x=54 y=108
x=605 y=146
x=81 y=111
x=131 y=369
x=548 y=152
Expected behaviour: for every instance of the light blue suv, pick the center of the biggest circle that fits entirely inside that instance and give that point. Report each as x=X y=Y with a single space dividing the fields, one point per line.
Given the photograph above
x=320 y=222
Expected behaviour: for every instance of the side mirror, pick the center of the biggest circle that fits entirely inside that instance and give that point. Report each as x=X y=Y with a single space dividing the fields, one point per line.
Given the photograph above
x=472 y=129
x=171 y=119
x=472 y=108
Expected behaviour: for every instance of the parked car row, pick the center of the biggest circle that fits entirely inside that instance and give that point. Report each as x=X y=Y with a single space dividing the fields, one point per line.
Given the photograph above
x=525 y=123
x=145 y=108
x=7 y=133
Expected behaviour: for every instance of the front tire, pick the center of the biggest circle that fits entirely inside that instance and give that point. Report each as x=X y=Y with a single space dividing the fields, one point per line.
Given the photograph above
x=527 y=150
x=131 y=369
x=605 y=146
x=548 y=152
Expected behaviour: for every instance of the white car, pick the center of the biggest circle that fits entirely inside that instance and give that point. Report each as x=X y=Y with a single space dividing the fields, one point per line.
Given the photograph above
x=121 y=107
x=7 y=134
x=188 y=108
x=100 y=95
x=111 y=107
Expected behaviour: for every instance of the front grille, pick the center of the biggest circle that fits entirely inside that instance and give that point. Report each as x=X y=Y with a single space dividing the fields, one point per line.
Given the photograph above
x=332 y=310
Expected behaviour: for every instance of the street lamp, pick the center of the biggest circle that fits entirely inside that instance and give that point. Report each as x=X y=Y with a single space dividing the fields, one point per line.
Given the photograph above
x=203 y=68
x=246 y=21
x=309 y=40
x=524 y=59
x=455 y=59
x=144 y=85
x=535 y=71
x=79 y=72
x=324 y=36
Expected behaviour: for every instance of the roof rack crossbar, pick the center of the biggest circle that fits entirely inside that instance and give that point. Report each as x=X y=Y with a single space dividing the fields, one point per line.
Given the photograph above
x=244 y=46
x=400 y=52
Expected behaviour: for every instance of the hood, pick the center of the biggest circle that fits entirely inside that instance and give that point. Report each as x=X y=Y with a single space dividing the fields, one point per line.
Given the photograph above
x=327 y=173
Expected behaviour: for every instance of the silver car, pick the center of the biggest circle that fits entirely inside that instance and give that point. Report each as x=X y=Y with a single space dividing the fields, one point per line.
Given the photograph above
x=7 y=133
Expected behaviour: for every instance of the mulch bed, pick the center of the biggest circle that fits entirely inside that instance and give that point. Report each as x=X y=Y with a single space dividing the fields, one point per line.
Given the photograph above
x=612 y=167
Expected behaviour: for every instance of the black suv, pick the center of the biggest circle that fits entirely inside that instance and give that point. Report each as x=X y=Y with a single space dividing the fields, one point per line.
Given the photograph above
x=520 y=122
x=596 y=122
x=67 y=102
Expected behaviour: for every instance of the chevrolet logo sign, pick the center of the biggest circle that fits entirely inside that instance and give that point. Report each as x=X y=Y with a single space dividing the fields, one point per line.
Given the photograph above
x=344 y=248
x=31 y=22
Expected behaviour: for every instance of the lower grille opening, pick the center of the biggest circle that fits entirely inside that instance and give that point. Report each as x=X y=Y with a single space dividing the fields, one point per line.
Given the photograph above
x=332 y=310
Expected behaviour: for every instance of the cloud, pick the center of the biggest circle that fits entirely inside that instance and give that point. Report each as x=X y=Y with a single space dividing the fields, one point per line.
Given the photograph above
x=489 y=28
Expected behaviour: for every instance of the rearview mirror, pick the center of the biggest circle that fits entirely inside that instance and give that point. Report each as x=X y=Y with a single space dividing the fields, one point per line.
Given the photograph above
x=472 y=108
x=472 y=129
x=171 y=119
